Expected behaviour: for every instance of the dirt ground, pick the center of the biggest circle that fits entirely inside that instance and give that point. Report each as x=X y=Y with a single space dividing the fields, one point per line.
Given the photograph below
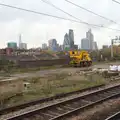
x=43 y=73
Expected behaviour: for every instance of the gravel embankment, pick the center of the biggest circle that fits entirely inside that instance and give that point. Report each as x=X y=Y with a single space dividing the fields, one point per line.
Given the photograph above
x=100 y=112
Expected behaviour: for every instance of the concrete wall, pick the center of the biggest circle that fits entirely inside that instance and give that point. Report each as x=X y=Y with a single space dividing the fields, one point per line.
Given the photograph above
x=42 y=63
x=8 y=88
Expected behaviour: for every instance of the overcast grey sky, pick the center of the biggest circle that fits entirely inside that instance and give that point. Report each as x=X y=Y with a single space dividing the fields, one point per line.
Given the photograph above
x=38 y=29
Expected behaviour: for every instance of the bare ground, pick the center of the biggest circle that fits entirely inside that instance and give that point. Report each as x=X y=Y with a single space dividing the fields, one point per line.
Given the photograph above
x=44 y=72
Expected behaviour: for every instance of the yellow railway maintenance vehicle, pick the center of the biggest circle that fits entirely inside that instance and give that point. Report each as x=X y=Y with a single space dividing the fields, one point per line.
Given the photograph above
x=80 y=59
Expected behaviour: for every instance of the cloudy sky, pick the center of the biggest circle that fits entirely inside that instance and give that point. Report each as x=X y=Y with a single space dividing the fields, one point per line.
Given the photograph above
x=38 y=29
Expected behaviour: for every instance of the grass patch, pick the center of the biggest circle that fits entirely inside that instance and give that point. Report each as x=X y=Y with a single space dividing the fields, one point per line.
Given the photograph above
x=55 y=84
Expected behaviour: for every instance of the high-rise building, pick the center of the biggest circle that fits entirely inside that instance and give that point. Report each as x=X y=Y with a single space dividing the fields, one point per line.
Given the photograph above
x=66 y=44
x=71 y=38
x=23 y=46
x=53 y=44
x=61 y=47
x=44 y=46
x=12 y=45
x=85 y=44
x=20 y=41
x=95 y=47
x=90 y=37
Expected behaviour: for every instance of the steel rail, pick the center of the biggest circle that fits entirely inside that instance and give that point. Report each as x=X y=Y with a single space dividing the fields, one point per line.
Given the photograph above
x=83 y=102
x=116 y=116
x=40 y=101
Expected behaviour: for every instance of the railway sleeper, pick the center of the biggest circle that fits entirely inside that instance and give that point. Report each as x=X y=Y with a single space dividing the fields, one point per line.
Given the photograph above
x=58 y=110
x=42 y=116
x=105 y=94
x=73 y=105
x=39 y=117
x=69 y=108
x=85 y=102
x=77 y=104
x=110 y=93
x=52 y=113
x=91 y=99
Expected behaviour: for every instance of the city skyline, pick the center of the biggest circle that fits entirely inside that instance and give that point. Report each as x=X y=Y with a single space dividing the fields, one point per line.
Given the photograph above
x=35 y=28
x=25 y=45
x=66 y=40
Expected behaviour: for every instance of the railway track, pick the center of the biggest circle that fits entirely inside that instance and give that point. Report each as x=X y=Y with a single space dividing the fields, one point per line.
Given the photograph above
x=116 y=116
x=38 y=103
x=72 y=106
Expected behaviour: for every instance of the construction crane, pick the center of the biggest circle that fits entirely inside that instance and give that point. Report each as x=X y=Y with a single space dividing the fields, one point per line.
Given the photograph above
x=80 y=59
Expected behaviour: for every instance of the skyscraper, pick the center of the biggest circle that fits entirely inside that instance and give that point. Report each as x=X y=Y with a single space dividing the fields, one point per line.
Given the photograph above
x=95 y=47
x=53 y=44
x=71 y=38
x=90 y=37
x=85 y=44
x=66 y=43
x=20 y=41
x=23 y=46
x=44 y=46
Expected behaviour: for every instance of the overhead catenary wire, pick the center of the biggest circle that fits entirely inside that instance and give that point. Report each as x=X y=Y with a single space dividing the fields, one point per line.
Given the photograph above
x=91 y=12
x=51 y=4
x=36 y=12
x=58 y=17
x=116 y=1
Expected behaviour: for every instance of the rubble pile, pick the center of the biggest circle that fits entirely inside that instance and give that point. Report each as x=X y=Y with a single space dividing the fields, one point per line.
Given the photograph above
x=112 y=71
